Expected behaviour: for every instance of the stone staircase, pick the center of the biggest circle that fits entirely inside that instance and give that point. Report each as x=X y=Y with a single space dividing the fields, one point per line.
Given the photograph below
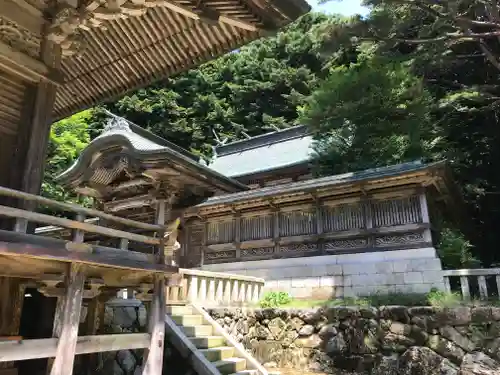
x=212 y=351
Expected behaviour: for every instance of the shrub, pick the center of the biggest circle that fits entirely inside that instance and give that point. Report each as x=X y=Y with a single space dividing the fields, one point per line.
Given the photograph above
x=439 y=298
x=275 y=299
x=455 y=251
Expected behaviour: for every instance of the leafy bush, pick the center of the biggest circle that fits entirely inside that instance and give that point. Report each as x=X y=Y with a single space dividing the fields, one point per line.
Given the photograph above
x=439 y=298
x=455 y=251
x=275 y=299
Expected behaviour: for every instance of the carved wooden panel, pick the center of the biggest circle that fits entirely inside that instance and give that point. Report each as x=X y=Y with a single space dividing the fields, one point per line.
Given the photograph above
x=298 y=248
x=399 y=239
x=220 y=232
x=220 y=255
x=345 y=244
x=256 y=227
x=257 y=252
x=396 y=212
x=297 y=223
x=342 y=217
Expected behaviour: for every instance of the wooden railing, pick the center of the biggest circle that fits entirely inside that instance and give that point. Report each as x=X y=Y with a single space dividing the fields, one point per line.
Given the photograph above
x=215 y=289
x=23 y=216
x=484 y=280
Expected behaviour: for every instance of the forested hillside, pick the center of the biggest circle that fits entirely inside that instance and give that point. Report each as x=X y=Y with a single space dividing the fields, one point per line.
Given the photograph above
x=413 y=80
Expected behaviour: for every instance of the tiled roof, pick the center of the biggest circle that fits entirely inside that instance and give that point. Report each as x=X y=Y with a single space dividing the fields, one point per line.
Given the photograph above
x=266 y=152
x=368 y=174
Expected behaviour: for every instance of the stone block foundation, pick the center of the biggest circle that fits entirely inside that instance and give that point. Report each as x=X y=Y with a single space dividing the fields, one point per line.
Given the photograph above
x=345 y=275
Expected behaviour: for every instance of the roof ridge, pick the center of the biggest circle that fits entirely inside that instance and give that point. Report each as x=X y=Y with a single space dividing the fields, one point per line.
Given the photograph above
x=260 y=140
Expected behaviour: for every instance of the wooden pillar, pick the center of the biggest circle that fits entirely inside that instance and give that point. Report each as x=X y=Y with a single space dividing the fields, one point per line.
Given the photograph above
x=67 y=316
x=154 y=356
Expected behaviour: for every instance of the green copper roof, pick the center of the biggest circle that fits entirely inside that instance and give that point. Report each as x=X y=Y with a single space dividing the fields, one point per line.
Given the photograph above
x=283 y=148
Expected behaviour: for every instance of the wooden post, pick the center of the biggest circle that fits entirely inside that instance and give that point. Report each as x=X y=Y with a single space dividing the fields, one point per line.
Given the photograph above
x=95 y=314
x=68 y=321
x=67 y=316
x=154 y=356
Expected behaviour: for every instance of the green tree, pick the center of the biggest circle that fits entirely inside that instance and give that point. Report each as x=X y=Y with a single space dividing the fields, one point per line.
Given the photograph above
x=371 y=113
x=68 y=138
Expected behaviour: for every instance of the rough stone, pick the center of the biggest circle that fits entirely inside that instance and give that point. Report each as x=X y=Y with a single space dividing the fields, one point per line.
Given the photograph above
x=368 y=312
x=495 y=313
x=126 y=360
x=306 y=330
x=458 y=316
x=453 y=335
x=398 y=313
x=479 y=363
x=421 y=310
x=296 y=323
x=327 y=331
x=388 y=365
x=336 y=345
x=446 y=348
x=400 y=328
x=481 y=314
x=424 y=361
x=313 y=341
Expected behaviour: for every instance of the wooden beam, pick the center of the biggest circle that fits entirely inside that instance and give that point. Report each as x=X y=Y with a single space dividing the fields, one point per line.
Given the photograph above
x=69 y=321
x=107 y=258
x=28 y=66
x=72 y=224
x=44 y=348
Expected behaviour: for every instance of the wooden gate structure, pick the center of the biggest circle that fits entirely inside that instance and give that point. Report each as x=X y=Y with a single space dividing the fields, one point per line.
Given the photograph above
x=61 y=56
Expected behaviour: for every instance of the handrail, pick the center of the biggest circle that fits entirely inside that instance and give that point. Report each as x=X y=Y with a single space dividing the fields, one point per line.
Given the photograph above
x=78 y=209
x=72 y=224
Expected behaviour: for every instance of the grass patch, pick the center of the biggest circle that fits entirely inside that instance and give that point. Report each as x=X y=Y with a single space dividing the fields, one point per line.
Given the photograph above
x=434 y=298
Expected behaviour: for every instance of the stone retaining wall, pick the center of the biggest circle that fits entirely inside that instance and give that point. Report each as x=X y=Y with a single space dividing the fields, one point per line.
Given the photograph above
x=382 y=341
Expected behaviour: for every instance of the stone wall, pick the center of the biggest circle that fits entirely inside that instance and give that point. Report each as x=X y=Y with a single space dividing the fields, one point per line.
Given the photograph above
x=382 y=341
x=345 y=275
x=129 y=316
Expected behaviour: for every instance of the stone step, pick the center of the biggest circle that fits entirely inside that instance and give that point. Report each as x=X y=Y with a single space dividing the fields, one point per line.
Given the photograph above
x=187 y=320
x=179 y=310
x=230 y=365
x=197 y=331
x=218 y=354
x=245 y=372
x=207 y=342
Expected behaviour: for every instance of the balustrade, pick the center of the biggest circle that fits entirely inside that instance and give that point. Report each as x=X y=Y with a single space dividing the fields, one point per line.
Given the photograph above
x=215 y=289
x=471 y=282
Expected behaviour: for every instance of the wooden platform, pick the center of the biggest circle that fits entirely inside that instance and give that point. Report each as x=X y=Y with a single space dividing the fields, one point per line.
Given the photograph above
x=34 y=257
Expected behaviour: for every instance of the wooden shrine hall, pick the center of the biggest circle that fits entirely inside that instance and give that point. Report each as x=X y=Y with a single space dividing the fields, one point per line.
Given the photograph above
x=58 y=57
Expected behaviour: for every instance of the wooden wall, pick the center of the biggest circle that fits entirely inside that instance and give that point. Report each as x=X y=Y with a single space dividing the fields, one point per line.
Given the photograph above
x=310 y=229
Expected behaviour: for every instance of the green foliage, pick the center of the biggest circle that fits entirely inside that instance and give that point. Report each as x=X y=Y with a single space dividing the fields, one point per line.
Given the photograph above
x=455 y=251
x=68 y=138
x=443 y=299
x=275 y=299
x=388 y=124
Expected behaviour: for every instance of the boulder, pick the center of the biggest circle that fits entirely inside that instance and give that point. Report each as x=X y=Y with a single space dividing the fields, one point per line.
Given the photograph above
x=336 y=345
x=454 y=336
x=479 y=363
x=327 y=331
x=446 y=348
x=423 y=361
x=306 y=330
x=457 y=316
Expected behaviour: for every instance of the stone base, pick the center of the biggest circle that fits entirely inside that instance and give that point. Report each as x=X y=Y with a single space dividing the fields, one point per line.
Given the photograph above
x=346 y=275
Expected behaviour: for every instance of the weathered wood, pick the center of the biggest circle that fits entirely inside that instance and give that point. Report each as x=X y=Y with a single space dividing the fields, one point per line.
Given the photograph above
x=45 y=348
x=67 y=223
x=116 y=259
x=77 y=209
x=11 y=302
x=69 y=321
x=154 y=355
